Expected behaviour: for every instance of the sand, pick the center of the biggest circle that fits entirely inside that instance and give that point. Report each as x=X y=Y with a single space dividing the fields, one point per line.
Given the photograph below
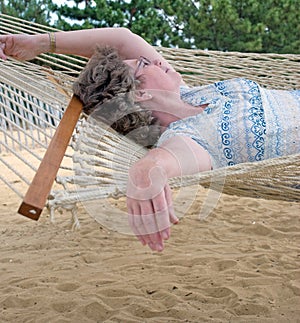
x=240 y=264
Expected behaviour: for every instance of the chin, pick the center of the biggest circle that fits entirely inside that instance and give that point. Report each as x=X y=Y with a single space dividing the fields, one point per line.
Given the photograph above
x=178 y=80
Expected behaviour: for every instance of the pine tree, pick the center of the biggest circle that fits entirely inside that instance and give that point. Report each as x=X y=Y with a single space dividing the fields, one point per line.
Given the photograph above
x=227 y=25
x=38 y=11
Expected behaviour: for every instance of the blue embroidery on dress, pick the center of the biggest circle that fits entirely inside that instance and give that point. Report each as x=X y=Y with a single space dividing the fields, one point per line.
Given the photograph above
x=233 y=128
x=256 y=116
x=226 y=124
x=208 y=110
x=225 y=140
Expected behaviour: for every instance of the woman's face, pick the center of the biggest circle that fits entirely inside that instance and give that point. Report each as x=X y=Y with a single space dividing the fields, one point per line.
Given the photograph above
x=155 y=76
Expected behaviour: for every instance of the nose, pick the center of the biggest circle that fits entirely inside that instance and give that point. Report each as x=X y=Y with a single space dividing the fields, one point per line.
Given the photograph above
x=157 y=62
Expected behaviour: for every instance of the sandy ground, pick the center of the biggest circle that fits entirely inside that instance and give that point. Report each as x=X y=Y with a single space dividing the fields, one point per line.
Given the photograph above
x=241 y=264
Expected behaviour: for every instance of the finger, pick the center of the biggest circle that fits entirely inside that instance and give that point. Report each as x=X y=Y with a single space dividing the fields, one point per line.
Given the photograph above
x=2 y=48
x=140 y=228
x=145 y=227
x=161 y=208
x=150 y=228
x=162 y=219
x=144 y=222
x=163 y=224
x=168 y=195
x=3 y=40
x=135 y=230
x=165 y=234
x=133 y=211
x=165 y=218
x=156 y=246
x=152 y=231
x=173 y=217
x=141 y=209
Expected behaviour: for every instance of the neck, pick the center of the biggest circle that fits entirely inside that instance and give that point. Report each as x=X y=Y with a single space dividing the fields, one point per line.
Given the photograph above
x=189 y=110
x=185 y=110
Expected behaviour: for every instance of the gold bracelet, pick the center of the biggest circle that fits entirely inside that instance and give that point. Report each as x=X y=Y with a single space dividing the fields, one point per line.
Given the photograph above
x=52 y=39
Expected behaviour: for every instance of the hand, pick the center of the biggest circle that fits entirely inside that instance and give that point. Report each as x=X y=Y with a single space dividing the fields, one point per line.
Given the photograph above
x=149 y=203
x=20 y=47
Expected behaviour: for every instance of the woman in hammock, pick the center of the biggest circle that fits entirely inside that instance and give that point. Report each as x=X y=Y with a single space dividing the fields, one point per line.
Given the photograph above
x=201 y=128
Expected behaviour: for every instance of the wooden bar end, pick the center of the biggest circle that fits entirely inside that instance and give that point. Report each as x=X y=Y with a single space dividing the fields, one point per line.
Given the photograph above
x=30 y=211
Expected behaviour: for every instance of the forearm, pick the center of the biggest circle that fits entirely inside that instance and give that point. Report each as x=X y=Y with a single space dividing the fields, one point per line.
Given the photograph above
x=179 y=156
x=79 y=42
x=83 y=42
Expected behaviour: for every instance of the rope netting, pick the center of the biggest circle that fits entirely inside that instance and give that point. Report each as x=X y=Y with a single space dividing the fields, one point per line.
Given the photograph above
x=102 y=159
x=33 y=96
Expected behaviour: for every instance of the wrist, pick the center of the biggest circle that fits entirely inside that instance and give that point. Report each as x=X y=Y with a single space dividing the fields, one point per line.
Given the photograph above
x=146 y=179
x=52 y=42
x=163 y=159
x=42 y=43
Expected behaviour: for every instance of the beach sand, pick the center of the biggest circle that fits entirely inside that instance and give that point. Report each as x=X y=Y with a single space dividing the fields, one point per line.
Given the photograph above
x=240 y=264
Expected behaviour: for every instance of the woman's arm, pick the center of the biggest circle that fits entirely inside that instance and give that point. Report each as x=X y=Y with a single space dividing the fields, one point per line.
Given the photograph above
x=79 y=42
x=149 y=200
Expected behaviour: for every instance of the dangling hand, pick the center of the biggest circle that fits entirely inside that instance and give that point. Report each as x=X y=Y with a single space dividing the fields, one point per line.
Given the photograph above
x=149 y=199
x=149 y=203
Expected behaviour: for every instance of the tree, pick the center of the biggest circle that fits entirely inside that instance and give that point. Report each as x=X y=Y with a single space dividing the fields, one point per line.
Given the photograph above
x=154 y=20
x=246 y=25
x=38 y=11
x=226 y=25
x=282 y=33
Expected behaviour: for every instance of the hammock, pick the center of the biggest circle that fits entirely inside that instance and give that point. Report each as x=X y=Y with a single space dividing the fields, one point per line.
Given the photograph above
x=33 y=98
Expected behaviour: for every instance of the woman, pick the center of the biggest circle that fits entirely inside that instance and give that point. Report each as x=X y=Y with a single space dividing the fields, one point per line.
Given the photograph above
x=207 y=127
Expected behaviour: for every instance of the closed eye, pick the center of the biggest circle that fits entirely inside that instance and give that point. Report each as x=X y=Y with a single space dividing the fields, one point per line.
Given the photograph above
x=142 y=62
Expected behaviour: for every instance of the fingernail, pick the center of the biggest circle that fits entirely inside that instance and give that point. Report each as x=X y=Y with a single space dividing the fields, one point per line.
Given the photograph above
x=142 y=241
x=151 y=245
x=165 y=235
x=159 y=247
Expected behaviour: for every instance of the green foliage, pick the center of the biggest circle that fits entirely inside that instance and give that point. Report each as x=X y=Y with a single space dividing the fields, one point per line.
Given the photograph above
x=38 y=11
x=226 y=25
x=247 y=25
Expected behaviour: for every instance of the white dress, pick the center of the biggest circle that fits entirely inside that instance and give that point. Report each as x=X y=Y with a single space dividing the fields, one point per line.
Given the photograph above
x=242 y=123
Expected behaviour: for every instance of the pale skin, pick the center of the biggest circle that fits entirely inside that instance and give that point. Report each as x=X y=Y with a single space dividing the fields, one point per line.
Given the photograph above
x=149 y=198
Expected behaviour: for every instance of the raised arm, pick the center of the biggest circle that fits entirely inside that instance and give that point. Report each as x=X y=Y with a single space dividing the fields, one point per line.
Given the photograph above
x=79 y=42
x=149 y=200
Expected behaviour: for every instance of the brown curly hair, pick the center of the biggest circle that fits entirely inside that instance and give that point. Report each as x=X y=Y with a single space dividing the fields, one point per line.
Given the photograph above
x=106 y=88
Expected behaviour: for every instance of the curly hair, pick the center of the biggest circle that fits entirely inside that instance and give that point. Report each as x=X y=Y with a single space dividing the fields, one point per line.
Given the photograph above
x=106 y=88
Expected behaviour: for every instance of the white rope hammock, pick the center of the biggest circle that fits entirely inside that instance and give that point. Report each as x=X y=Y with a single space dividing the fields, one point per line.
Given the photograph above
x=33 y=99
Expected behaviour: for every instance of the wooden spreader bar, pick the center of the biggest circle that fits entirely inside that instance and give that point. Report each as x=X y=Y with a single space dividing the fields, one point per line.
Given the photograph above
x=40 y=187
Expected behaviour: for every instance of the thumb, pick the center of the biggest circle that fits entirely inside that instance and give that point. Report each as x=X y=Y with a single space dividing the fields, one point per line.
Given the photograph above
x=2 y=48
